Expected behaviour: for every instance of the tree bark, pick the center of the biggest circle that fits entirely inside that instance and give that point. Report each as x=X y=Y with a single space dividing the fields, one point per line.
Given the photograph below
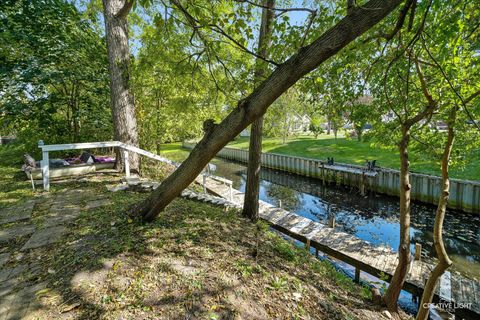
x=121 y=99
x=443 y=260
x=255 y=105
x=400 y=274
x=252 y=188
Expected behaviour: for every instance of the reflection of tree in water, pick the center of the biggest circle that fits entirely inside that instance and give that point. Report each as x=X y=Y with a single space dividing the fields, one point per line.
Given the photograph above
x=289 y=197
x=352 y=212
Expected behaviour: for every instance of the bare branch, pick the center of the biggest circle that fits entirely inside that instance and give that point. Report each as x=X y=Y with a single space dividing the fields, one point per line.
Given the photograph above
x=423 y=82
x=281 y=10
x=310 y=22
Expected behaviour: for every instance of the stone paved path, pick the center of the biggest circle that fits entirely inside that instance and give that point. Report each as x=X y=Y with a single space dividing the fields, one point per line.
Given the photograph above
x=32 y=225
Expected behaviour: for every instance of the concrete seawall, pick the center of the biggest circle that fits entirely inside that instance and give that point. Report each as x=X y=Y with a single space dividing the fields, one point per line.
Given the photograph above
x=464 y=194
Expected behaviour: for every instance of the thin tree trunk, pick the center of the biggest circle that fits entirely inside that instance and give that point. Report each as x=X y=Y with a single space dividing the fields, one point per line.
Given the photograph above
x=400 y=274
x=256 y=104
x=252 y=189
x=159 y=131
x=443 y=260
x=398 y=279
x=359 y=134
x=121 y=99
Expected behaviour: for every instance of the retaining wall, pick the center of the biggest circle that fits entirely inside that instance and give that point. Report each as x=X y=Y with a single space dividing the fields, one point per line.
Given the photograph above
x=464 y=194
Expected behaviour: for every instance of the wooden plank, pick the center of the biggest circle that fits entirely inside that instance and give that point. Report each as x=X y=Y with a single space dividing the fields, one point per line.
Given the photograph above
x=391 y=264
x=299 y=227
x=415 y=274
x=337 y=239
x=76 y=146
x=323 y=235
x=126 y=163
x=45 y=171
x=291 y=221
x=312 y=229
x=380 y=264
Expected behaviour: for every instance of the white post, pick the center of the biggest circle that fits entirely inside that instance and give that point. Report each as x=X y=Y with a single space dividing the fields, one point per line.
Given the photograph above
x=231 y=192
x=127 y=164
x=46 y=171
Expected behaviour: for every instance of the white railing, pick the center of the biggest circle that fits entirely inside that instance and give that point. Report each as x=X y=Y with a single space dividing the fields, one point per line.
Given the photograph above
x=45 y=164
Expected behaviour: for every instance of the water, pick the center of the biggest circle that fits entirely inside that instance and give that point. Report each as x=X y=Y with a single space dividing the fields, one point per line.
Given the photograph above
x=373 y=218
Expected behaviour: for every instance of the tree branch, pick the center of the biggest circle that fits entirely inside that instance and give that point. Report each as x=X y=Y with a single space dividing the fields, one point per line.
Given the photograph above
x=127 y=6
x=350 y=6
x=463 y=101
x=195 y=24
x=281 y=10
x=400 y=21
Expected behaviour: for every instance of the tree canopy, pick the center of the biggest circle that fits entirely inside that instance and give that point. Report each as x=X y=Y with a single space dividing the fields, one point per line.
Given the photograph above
x=53 y=73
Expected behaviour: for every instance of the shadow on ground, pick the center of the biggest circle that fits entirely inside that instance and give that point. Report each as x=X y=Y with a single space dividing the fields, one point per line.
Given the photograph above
x=91 y=260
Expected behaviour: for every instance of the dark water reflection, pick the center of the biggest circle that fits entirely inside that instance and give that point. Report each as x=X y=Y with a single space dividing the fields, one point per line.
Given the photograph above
x=373 y=218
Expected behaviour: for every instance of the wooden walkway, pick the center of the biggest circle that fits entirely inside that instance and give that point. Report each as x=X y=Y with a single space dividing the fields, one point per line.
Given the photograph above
x=350 y=169
x=375 y=260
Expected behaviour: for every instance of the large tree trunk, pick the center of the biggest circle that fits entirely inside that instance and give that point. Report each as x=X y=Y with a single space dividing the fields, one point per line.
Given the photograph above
x=443 y=260
x=252 y=188
x=255 y=105
x=121 y=99
x=400 y=274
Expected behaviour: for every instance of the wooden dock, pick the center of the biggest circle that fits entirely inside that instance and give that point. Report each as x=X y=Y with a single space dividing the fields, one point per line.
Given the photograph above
x=379 y=261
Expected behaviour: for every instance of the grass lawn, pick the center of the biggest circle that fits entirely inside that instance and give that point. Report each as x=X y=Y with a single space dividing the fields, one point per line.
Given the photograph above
x=354 y=152
x=195 y=261
x=174 y=151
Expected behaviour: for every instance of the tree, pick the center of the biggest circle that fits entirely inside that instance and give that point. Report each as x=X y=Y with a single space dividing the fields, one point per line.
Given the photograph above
x=357 y=22
x=359 y=115
x=406 y=124
x=54 y=81
x=458 y=74
x=252 y=188
x=315 y=126
x=121 y=98
x=175 y=83
x=412 y=84
x=286 y=116
x=443 y=260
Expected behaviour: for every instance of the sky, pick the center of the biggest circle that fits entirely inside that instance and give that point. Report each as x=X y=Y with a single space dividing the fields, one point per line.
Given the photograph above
x=296 y=18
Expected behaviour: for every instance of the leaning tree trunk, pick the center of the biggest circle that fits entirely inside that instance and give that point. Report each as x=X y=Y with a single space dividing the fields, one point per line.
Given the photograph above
x=252 y=189
x=121 y=99
x=443 y=260
x=255 y=105
x=396 y=284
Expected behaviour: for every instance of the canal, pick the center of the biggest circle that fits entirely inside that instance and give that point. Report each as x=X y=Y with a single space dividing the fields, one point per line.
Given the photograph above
x=374 y=218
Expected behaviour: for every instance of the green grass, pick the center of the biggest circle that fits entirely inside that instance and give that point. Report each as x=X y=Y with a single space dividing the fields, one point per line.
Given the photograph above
x=354 y=152
x=174 y=151
x=194 y=260
x=14 y=185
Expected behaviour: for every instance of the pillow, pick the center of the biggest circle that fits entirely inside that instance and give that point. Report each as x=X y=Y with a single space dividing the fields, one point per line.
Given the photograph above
x=87 y=158
x=29 y=161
